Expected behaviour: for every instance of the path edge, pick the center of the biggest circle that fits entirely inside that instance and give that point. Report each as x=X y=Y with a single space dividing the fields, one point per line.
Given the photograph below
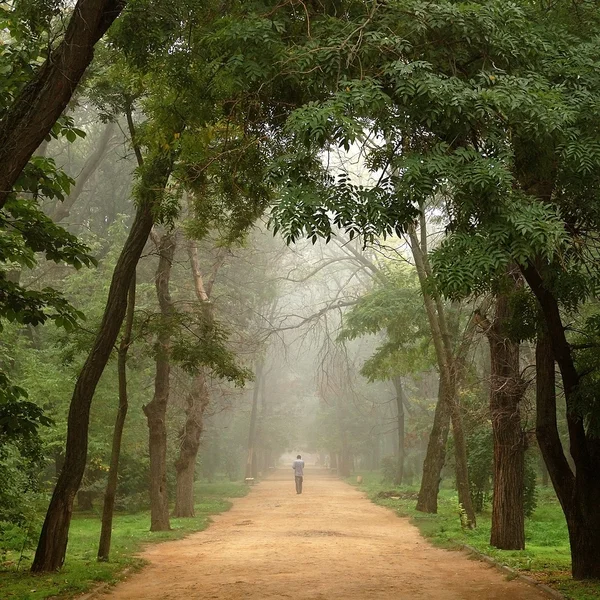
x=514 y=573
x=550 y=592
x=103 y=587
x=99 y=590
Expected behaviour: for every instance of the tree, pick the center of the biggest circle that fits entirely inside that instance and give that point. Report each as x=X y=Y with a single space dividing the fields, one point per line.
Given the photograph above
x=156 y=410
x=447 y=104
x=39 y=104
x=198 y=398
x=393 y=307
x=50 y=553
x=507 y=389
x=113 y=473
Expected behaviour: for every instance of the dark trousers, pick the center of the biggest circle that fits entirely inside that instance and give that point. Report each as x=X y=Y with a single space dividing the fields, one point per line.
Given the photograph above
x=298 y=484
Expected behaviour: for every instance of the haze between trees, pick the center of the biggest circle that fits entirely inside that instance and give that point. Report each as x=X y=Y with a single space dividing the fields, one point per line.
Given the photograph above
x=198 y=125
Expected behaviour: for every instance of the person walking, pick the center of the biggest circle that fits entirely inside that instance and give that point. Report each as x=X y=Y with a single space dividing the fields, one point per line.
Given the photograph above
x=298 y=467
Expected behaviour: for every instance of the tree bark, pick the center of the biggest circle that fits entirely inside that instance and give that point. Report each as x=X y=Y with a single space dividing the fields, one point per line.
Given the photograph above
x=578 y=495
x=397 y=381
x=506 y=393
x=189 y=438
x=52 y=544
x=460 y=458
x=435 y=456
x=544 y=470
x=156 y=410
x=579 y=491
x=113 y=471
x=197 y=401
x=41 y=102
x=258 y=465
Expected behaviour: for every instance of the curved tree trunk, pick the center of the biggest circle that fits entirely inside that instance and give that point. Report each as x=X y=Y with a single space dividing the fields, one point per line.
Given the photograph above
x=41 y=102
x=52 y=545
x=185 y=464
x=578 y=495
x=113 y=471
x=197 y=400
x=156 y=410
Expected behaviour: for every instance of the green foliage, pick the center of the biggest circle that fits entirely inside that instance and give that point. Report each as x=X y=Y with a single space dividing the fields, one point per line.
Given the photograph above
x=203 y=343
x=471 y=263
x=530 y=492
x=389 y=469
x=26 y=232
x=480 y=462
x=394 y=307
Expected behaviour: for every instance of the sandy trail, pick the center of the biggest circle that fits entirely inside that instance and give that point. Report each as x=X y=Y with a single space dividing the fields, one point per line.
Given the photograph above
x=328 y=543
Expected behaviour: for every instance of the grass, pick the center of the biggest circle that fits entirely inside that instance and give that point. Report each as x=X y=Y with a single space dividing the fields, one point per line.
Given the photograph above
x=546 y=557
x=131 y=532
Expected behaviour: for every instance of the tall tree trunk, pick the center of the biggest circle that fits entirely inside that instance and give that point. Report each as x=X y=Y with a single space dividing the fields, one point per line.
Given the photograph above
x=259 y=438
x=189 y=440
x=197 y=401
x=156 y=410
x=52 y=545
x=506 y=393
x=113 y=471
x=435 y=456
x=460 y=458
x=578 y=494
x=450 y=368
x=251 y=455
x=579 y=491
x=397 y=381
x=41 y=102
x=544 y=470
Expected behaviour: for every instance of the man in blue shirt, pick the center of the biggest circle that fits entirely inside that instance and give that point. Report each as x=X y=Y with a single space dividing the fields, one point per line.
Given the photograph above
x=298 y=467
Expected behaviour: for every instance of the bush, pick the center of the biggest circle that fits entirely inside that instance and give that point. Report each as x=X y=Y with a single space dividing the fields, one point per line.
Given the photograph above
x=530 y=493
x=389 y=468
x=14 y=537
x=481 y=464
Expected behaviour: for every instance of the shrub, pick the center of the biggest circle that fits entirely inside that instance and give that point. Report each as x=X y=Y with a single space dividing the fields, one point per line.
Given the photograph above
x=389 y=467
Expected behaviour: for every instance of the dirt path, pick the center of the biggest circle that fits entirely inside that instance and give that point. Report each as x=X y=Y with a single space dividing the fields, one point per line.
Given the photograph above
x=328 y=543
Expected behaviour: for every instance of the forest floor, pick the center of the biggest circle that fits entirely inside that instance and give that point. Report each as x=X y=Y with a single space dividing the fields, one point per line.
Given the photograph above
x=329 y=543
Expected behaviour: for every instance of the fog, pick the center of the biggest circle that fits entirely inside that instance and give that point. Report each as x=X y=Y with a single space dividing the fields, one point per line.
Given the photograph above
x=294 y=264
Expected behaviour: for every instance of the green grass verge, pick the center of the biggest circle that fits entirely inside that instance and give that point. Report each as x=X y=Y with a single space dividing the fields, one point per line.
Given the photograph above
x=131 y=532
x=546 y=557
